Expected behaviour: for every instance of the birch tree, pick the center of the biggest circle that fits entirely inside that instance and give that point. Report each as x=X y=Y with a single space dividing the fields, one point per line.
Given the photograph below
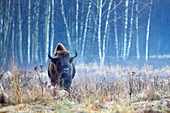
x=20 y=32
x=85 y=30
x=77 y=10
x=126 y=25
x=34 y=34
x=36 y=31
x=148 y=30
x=52 y=27
x=6 y=21
x=107 y=39
x=137 y=37
x=1 y=25
x=81 y=28
x=66 y=25
x=1 y=17
x=47 y=22
x=29 y=22
x=33 y=48
x=131 y=29
x=105 y=32
x=0 y=47
x=115 y=31
x=13 y=37
x=13 y=32
x=99 y=31
x=102 y=49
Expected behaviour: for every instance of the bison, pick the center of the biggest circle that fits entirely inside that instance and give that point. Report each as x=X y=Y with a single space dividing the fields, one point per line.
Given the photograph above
x=61 y=68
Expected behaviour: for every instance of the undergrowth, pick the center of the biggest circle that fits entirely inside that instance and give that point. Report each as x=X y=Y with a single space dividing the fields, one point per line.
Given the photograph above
x=94 y=88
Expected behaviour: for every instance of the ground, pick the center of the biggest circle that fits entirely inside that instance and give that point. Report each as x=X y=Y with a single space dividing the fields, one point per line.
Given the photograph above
x=104 y=89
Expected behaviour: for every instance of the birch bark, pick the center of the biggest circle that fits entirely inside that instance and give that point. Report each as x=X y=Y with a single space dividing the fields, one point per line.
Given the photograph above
x=1 y=17
x=66 y=24
x=13 y=32
x=99 y=31
x=77 y=8
x=29 y=37
x=137 y=37
x=7 y=22
x=126 y=24
x=1 y=27
x=20 y=32
x=148 y=28
x=115 y=30
x=105 y=33
x=36 y=32
x=131 y=28
x=47 y=31
x=52 y=28
x=32 y=49
x=85 y=30
x=81 y=28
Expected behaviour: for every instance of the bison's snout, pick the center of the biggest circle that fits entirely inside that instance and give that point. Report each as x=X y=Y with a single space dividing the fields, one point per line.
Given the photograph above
x=65 y=70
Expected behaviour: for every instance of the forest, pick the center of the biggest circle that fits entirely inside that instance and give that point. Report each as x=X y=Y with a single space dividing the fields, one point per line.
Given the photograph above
x=102 y=30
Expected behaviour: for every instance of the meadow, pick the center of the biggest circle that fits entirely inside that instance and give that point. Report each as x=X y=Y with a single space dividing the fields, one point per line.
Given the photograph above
x=106 y=89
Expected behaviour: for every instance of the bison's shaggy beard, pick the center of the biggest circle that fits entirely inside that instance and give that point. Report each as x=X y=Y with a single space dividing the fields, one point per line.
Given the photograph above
x=65 y=81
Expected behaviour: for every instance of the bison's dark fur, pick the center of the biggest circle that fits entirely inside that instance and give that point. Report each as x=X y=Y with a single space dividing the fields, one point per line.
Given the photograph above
x=61 y=69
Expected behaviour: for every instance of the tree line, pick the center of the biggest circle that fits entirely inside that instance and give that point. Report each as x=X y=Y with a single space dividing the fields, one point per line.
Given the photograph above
x=97 y=29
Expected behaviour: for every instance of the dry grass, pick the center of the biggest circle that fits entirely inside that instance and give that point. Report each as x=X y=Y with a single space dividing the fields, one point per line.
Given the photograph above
x=101 y=89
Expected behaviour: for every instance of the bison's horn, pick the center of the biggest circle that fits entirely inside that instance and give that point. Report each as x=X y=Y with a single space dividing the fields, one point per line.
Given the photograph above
x=75 y=55
x=52 y=58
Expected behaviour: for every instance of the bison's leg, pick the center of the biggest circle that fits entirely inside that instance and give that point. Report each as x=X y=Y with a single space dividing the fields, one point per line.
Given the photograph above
x=67 y=84
x=53 y=83
x=54 y=80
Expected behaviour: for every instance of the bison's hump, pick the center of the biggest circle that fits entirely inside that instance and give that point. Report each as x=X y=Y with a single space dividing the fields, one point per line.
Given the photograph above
x=59 y=47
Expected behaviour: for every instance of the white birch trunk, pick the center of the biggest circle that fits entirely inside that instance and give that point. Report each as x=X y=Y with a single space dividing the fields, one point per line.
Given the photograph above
x=85 y=30
x=137 y=37
x=29 y=21
x=99 y=32
x=81 y=28
x=33 y=50
x=125 y=34
x=107 y=38
x=115 y=30
x=105 y=33
x=0 y=46
x=95 y=29
x=66 y=24
x=36 y=32
x=13 y=35
x=1 y=26
x=1 y=17
x=122 y=35
x=52 y=28
x=148 y=28
x=7 y=22
x=77 y=10
x=131 y=25
x=47 y=31
x=20 y=32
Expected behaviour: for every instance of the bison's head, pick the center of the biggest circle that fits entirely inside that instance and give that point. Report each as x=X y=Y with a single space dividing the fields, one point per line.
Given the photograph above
x=62 y=60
